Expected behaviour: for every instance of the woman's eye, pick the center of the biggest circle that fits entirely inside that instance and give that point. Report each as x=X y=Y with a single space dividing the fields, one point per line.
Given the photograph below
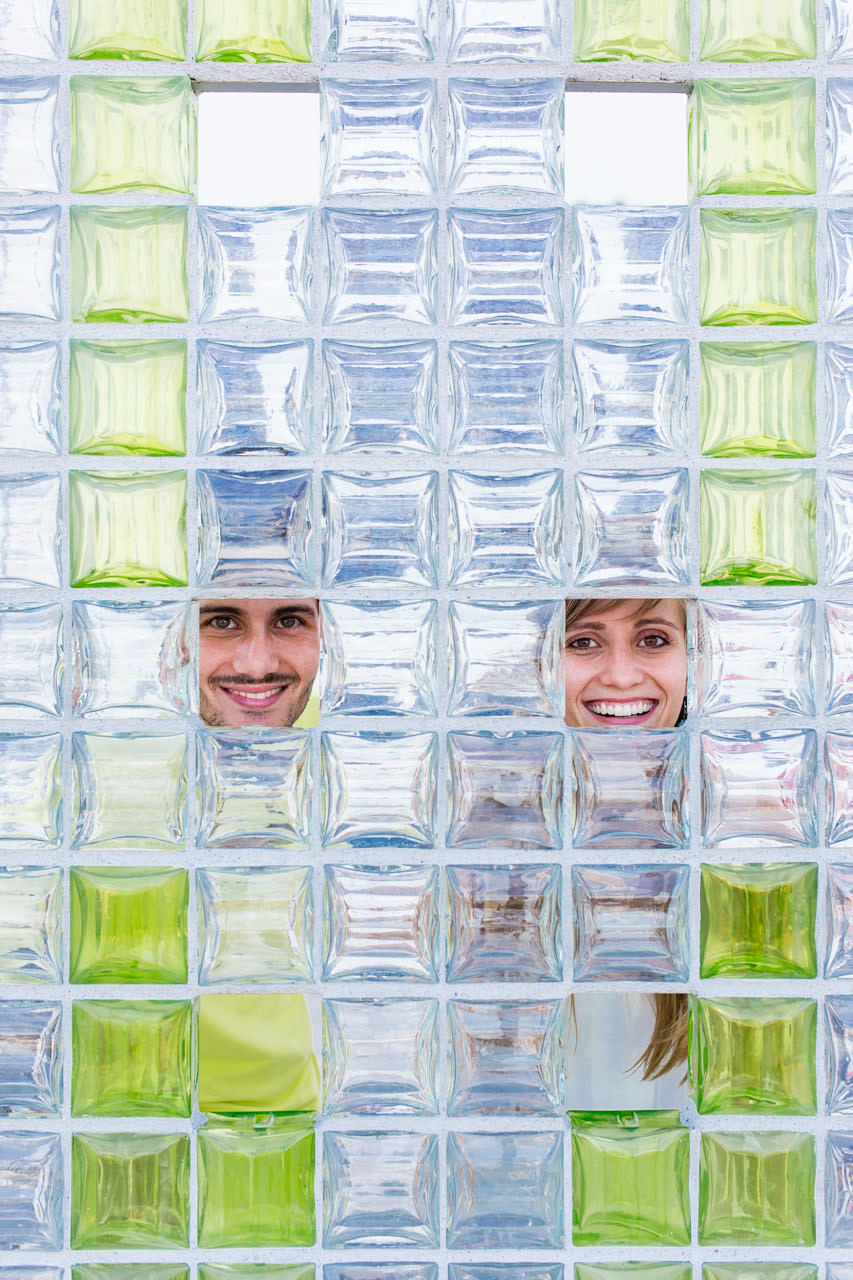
x=654 y=642
x=581 y=644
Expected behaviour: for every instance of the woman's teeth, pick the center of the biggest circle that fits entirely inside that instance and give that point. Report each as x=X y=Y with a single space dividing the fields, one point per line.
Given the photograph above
x=620 y=708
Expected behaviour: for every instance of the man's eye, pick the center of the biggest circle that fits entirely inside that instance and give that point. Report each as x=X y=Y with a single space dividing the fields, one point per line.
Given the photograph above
x=289 y=623
x=222 y=623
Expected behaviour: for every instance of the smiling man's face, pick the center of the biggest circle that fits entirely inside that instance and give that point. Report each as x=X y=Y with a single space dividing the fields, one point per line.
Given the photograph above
x=257 y=660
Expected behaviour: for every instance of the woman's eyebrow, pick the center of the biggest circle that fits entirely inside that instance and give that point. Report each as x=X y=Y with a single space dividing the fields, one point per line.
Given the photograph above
x=645 y=620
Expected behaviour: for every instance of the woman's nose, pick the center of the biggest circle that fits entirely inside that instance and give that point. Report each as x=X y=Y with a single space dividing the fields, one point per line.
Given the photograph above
x=621 y=669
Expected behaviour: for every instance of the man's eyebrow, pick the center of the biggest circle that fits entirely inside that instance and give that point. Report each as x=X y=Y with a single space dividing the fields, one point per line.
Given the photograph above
x=226 y=607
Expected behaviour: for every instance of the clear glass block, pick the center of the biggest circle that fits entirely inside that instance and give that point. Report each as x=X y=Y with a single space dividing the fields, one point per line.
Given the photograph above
x=30 y=531
x=839 y=137
x=254 y=790
x=380 y=1057
x=757 y=266
x=31 y=930
x=506 y=396
x=757 y=1189
x=630 y=397
x=613 y=31
x=130 y=1190
x=30 y=1058
x=505 y=790
x=505 y=135
x=131 y=659
x=631 y=789
x=757 y=31
x=381 y=531
x=506 y=267
x=838 y=763
x=381 y=266
x=380 y=1189
x=380 y=659
x=29 y=31
x=838 y=382
x=758 y=399
x=33 y=675
x=838 y=649
x=380 y=396
x=32 y=1181
x=256 y=1188
x=379 y=789
x=387 y=30
x=506 y=1058
x=504 y=924
x=127 y=30
x=132 y=134
x=34 y=1273
x=757 y=919
x=380 y=924
x=839 y=1055
x=255 y=528
x=255 y=265
x=757 y=528
x=128 y=398
x=839 y=551
x=254 y=397
x=839 y=1200
x=380 y=1270
x=838 y=1270
x=630 y=264
x=504 y=30
x=152 y=813
x=380 y=137
x=505 y=658
x=132 y=1058
x=30 y=790
x=753 y=137
x=30 y=397
x=756 y=659
x=505 y=1190
x=128 y=529
x=128 y=924
x=631 y=528
x=255 y=924
x=839 y=921
x=758 y=788
x=129 y=265
x=253 y=31
x=505 y=530
x=839 y=266
x=504 y=1271
x=839 y=31
x=30 y=264
x=631 y=923
x=29 y=139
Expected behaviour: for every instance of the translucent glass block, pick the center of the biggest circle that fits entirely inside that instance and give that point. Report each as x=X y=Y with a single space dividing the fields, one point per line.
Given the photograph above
x=129 y=265
x=839 y=1055
x=31 y=1177
x=505 y=1190
x=255 y=528
x=256 y=1271
x=29 y=141
x=30 y=1058
x=505 y=790
x=759 y=1271
x=128 y=924
x=839 y=922
x=504 y=1271
x=757 y=266
x=34 y=1273
x=506 y=1058
x=756 y=658
x=381 y=531
x=128 y=1271
x=132 y=1058
x=757 y=31
x=30 y=791
x=506 y=396
x=505 y=267
x=380 y=659
x=130 y=1190
x=651 y=1271
x=128 y=398
x=381 y=266
x=753 y=137
x=630 y=397
x=506 y=530
x=380 y=1057
x=255 y=265
x=839 y=1163
x=125 y=29
x=630 y=264
x=758 y=399
x=504 y=924
x=30 y=397
x=613 y=31
x=131 y=134
x=839 y=136
x=33 y=673
x=380 y=396
x=380 y=1189
x=631 y=529
x=758 y=528
x=149 y=815
x=753 y=1055
x=256 y=1186
x=131 y=659
x=128 y=529
x=379 y=789
x=380 y=924
x=253 y=31
x=838 y=381
x=757 y=1189
x=30 y=508
x=839 y=499
x=758 y=788
x=506 y=658
x=31 y=932
x=255 y=924
x=504 y=30
x=30 y=264
x=380 y=1271
x=387 y=30
x=380 y=137
x=631 y=789
x=839 y=783
x=505 y=135
x=758 y=920
x=254 y=789
x=29 y=30
x=839 y=270
x=631 y=923
x=256 y=1054
x=839 y=31
x=254 y=397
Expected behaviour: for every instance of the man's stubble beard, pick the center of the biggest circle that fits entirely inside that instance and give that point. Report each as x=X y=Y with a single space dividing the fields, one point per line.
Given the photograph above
x=208 y=713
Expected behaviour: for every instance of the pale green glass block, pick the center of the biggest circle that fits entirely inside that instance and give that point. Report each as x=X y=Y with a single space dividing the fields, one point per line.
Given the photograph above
x=132 y=1058
x=253 y=30
x=128 y=397
x=757 y=30
x=753 y=137
x=130 y=1271
x=129 y=265
x=633 y=1271
x=128 y=530
x=131 y=134
x=639 y=30
x=110 y=814
x=256 y=1271
x=757 y=1188
x=130 y=1191
x=153 y=29
x=757 y=266
x=128 y=924
x=256 y=1186
x=758 y=528
x=757 y=920
x=758 y=399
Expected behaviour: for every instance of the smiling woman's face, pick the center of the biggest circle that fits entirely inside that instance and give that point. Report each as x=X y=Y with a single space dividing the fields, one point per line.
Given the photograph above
x=626 y=669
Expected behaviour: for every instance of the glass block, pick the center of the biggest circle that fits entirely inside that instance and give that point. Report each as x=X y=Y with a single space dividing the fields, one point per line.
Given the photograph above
x=839 y=1202
x=129 y=1271
x=380 y=1057
x=839 y=552
x=504 y=30
x=128 y=924
x=125 y=29
x=759 y=1271
x=381 y=266
x=757 y=266
x=380 y=659
x=131 y=134
x=758 y=399
x=839 y=921
x=380 y=924
x=630 y=264
x=255 y=924
x=129 y=265
x=838 y=763
x=33 y=674
x=753 y=1056
x=128 y=529
x=255 y=528
x=106 y=813
x=505 y=658
x=646 y=1271
x=256 y=1186
x=505 y=267
x=379 y=789
x=380 y=396
x=771 y=674
x=506 y=1058
x=839 y=1055
x=30 y=265
x=757 y=528
x=505 y=1190
x=254 y=789
x=839 y=31
x=29 y=142
x=255 y=1271
x=506 y=396
x=757 y=31
x=505 y=530
x=30 y=397
x=505 y=790
x=839 y=266
x=380 y=1189
x=30 y=1058
x=128 y=398
x=381 y=1271
x=758 y=920
x=630 y=398
x=254 y=397
x=256 y=1054
x=381 y=531
x=633 y=533
x=838 y=382
x=387 y=30
x=130 y=1191
x=132 y=1058
x=33 y=1273
x=31 y=931
x=31 y=1177
x=839 y=137
x=30 y=790
x=630 y=923
x=753 y=137
x=757 y=1189
x=504 y=924
x=613 y=31
x=30 y=508
x=758 y=788
x=504 y=1271
x=505 y=135
x=29 y=31
x=131 y=659
x=380 y=137
x=253 y=31
x=255 y=265
x=631 y=789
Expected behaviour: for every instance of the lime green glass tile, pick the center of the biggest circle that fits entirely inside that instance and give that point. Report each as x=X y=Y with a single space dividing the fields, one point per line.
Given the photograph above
x=253 y=30
x=130 y=1191
x=758 y=1271
x=128 y=924
x=128 y=530
x=256 y=1186
x=256 y=1054
x=757 y=920
x=131 y=1058
x=128 y=397
x=758 y=528
x=129 y=1271
x=757 y=1188
x=131 y=134
x=758 y=399
x=643 y=30
x=753 y=137
x=255 y=1271
x=632 y=1271
x=757 y=30
x=757 y=266
x=129 y=265
x=155 y=29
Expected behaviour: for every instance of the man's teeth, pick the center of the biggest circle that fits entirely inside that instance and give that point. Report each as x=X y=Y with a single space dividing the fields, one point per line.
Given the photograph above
x=620 y=708
x=256 y=697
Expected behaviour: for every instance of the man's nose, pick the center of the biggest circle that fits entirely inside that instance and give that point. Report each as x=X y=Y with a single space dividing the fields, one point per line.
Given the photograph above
x=256 y=657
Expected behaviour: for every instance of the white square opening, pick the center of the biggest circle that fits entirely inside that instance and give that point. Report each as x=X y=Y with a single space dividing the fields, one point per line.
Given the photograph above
x=258 y=148
x=626 y=147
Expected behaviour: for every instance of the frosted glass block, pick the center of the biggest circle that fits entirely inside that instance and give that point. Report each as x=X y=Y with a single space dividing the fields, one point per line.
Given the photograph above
x=129 y=265
x=379 y=789
x=839 y=783
x=253 y=31
x=757 y=266
x=387 y=30
x=504 y=30
x=30 y=264
x=132 y=134
x=149 y=815
x=630 y=397
x=631 y=528
x=380 y=1189
x=381 y=530
x=753 y=137
x=29 y=141
x=757 y=527
x=29 y=531
x=506 y=396
x=380 y=659
x=30 y=1058
x=30 y=397
x=758 y=788
x=839 y=266
x=31 y=930
x=255 y=265
x=756 y=658
x=631 y=789
x=505 y=790
x=131 y=659
x=128 y=529
x=33 y=674
x=29 y=30
x=254 y=790
x=505 y=1190
x=839 y=921
x=254 y=924
x=839 y=1055
x=380 y=1057
x=125 y=29
x=254 y=528
x=838 y=382
x=839 y=551
x=380 y=396
x=839 y=137
x=381 y=266
x=31 y=1177
x=839 y=1199
x=505 y=135
x=504 y=924
x=757 y=31
x=758 y=399
x=505 y=658
x=30 y=791
x=630 y=264
x=631 y=923
x=380 y=924
x=505 y=267
x=505 y=530
x=839 y=31
x=612 y=30
x=254 y=397
x=506 y=1058
x=128 y=398
x=380 y=137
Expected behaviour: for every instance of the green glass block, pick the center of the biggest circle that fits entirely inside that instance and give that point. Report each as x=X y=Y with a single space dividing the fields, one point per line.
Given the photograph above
x=253 y=30
x=632 y=1271
x=130 y=1191
x=757 y=266
x=255 y=1271
x=128 y=530
x=128 y=924
x=629 y=1178
x=128 y=397
x=131 y=134
x=758 y=527
x=758 y=399
x=758 y=1271
x=753 y=137
x=757 y=30
x=155 y=30
x=256 y=1054
x=753 y=1055
x=639 y=30
x=129 y=265
x=757 y=919
x=256 y=1186
x=130 y=1271
x=131 y=1058
x=757 y=1188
